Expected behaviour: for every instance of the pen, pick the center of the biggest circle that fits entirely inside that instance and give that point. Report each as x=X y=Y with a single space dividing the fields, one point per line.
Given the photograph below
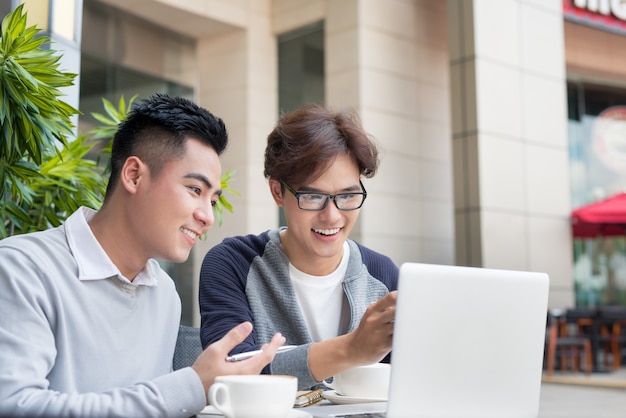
x=248 y=354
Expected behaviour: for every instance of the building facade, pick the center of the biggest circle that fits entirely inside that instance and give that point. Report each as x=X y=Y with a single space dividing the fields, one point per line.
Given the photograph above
x=468 y=100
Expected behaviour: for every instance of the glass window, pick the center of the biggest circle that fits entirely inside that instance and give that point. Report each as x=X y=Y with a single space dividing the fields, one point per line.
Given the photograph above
x=300 y=71
x=5 y=8
x=301 y=67
x=597 y=148
x=105 y=80
x=597 y=141
x=100 y=79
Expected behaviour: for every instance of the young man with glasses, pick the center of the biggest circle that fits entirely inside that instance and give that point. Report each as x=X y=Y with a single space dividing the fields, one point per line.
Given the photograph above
x=331 y=297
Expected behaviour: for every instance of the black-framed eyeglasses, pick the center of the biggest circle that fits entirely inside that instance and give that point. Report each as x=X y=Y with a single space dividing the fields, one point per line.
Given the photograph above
x=318 y=201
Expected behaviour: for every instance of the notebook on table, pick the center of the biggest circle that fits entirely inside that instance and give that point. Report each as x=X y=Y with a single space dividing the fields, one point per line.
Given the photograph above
x=468 y=342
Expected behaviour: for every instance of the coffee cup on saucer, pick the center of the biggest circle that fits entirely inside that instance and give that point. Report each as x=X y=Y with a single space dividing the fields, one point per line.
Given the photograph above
x=367 y=382
x=254 y=396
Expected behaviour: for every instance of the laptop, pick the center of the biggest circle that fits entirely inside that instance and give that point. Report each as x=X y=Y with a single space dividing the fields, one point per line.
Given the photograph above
x=468 y=342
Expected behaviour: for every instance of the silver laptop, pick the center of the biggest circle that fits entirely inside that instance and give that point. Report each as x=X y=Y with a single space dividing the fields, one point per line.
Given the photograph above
x=468 y=342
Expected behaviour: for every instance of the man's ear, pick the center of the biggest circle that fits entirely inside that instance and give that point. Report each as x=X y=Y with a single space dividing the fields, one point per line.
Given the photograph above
x=277 y=192
x=133 y=171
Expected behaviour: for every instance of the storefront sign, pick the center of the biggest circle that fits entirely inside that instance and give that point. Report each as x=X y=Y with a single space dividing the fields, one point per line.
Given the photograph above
x=609 y=15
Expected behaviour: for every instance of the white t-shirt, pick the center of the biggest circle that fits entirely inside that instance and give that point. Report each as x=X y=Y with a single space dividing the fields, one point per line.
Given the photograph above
x=322 y=300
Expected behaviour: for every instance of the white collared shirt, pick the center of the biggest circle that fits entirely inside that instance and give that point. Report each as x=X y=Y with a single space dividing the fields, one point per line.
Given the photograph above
x=93 y=261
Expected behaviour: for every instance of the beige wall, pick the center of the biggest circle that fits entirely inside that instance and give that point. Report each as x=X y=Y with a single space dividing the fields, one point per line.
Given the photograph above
x=139 y=44
x=238 y=81
x=395 y=77
x=510 y=139
x=472 y=126
x=389 y=60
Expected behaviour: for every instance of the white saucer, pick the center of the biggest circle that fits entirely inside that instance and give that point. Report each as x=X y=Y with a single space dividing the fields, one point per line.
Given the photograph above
x=334 y=397
x=299 y=413
x=211 y=411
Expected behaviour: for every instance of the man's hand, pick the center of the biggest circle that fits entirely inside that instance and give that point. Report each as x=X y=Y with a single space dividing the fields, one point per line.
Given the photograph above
x=212 y=361
x=372 y=340
x=367 y=344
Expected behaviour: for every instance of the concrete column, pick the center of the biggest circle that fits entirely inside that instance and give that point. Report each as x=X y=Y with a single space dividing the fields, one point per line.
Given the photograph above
x=237 y=81
x=389 y=61
x=509 y=122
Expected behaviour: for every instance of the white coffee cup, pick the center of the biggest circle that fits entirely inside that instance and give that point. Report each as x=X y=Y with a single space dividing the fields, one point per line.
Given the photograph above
x=254 y=396
x=371 y=381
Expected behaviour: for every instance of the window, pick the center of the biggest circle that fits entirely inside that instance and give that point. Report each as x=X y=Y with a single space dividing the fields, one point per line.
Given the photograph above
x=597 y=145
x=300 y=71
x=100 y=79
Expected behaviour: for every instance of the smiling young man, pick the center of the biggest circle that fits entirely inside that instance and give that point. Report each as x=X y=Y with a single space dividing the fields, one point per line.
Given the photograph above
x=88 y=319
x=328 y=295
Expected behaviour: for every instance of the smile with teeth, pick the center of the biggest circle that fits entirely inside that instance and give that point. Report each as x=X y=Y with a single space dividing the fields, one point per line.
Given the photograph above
x=189 y=233
x=327 y=231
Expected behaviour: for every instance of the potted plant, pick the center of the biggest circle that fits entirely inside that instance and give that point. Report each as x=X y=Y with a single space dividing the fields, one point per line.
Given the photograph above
x=45 y=173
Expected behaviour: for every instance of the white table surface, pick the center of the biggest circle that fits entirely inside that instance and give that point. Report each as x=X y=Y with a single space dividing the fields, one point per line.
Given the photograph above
x=320 y=409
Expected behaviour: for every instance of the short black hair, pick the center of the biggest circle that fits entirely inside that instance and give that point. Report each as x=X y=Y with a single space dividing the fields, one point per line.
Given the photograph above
x=156 y=131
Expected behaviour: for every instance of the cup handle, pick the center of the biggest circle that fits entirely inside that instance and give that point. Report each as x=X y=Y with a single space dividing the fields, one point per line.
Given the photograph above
x=330 y=382
x=219 y=397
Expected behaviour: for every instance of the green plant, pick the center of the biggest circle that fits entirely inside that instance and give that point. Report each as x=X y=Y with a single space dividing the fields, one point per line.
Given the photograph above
x=223 y=202
x=109 y=123
x=43 y=176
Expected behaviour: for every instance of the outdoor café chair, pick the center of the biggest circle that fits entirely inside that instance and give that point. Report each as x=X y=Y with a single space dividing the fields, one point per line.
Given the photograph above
x=188 y=347
x=613 y=325
x=567 y=347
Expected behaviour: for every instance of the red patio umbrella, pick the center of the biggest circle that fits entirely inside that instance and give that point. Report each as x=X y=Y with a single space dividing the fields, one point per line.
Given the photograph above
x=605 y=218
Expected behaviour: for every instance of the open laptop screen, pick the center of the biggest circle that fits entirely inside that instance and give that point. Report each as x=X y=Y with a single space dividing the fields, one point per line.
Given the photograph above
x=468 y=342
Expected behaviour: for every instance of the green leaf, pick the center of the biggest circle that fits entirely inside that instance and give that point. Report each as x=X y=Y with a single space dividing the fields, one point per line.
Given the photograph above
x=44 y=177
x=102 y=119
x=110 y=109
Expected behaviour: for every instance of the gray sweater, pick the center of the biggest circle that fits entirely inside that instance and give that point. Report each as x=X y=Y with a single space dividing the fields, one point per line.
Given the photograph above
x=74 y=344
x=246 y=278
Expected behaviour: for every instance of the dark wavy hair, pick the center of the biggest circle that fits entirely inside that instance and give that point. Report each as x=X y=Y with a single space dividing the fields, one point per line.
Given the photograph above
x=306 y=141
x=156 y=131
